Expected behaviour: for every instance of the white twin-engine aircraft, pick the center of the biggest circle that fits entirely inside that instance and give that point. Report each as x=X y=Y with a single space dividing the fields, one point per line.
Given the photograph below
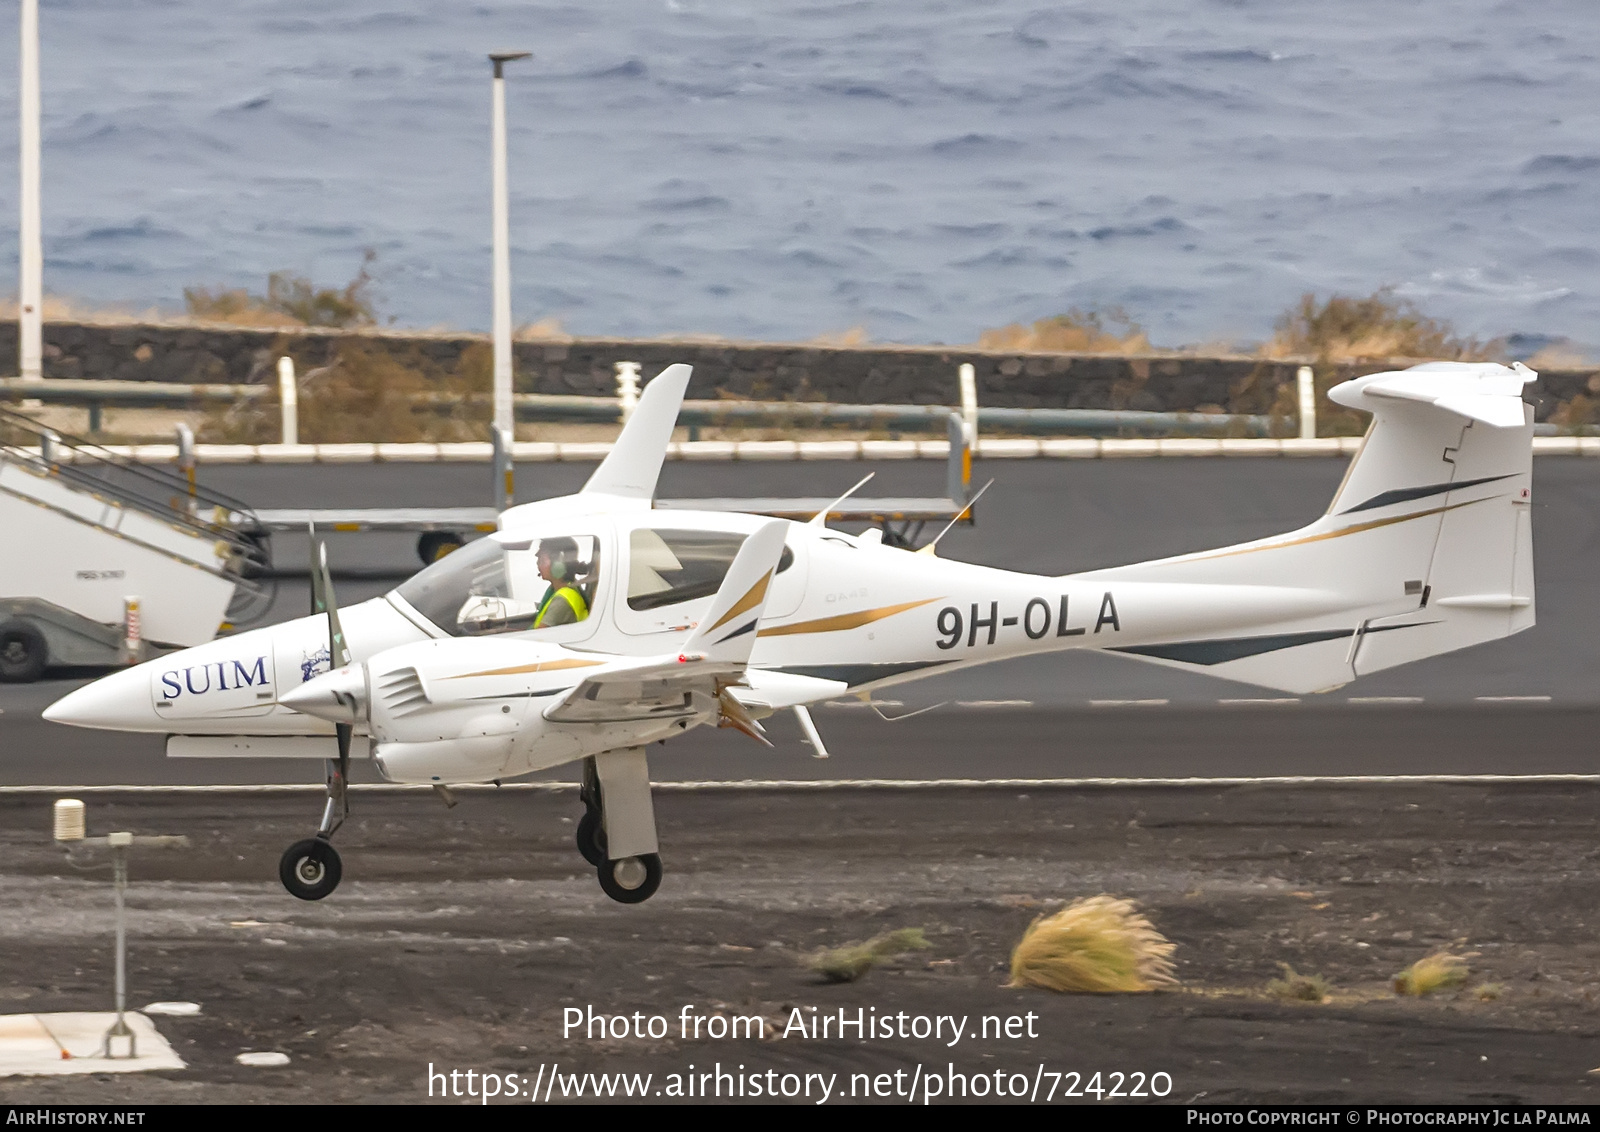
x=589 y=626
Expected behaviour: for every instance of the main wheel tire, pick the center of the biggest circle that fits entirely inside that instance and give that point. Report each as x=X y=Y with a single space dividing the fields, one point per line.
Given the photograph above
x=592 y=837
x=631 y=880
x=310 y=869
x=434 y=545
x=23 y=653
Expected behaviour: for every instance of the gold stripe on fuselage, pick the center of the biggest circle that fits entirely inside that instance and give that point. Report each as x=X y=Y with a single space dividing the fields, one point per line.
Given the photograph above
x=1341 y=532
x=843 y=620
x=521 y=669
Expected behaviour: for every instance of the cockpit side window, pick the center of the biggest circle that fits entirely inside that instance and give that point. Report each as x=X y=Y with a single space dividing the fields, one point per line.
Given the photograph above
x=667 y=567
x=484 y=588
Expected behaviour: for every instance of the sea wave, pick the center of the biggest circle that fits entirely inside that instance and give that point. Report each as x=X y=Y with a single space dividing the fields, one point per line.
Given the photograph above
x=796 y=168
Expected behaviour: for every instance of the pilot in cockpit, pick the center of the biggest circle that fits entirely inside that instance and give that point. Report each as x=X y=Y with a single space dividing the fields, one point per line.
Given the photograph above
x=563 y=602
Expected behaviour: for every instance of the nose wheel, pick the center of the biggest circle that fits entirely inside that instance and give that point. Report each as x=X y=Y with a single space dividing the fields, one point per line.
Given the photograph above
x=310 y=869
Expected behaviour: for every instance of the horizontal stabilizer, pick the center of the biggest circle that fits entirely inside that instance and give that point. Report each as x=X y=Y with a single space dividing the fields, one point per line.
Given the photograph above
x=1480 y=391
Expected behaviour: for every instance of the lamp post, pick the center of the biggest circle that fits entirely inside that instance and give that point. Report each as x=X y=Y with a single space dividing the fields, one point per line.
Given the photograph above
x=30 y=290
x=502 y=249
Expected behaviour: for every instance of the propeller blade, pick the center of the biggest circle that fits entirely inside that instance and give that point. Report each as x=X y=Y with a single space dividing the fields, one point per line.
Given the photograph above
x=323 y=600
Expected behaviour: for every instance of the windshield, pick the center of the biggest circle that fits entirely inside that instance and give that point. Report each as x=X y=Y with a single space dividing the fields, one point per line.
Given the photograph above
x=485 y=588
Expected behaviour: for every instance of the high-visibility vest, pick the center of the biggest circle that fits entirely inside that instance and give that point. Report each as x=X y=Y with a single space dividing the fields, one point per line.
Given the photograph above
x=573 y=598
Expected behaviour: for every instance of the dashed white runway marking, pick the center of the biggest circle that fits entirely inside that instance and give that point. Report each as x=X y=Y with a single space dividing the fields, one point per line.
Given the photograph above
x=1512 y=699
x=1248 y=702
x=1384 y=700
x=1128 y=703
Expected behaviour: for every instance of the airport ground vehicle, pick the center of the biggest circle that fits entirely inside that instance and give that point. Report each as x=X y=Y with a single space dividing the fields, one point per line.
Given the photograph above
x=687 y=618
x=111 y=561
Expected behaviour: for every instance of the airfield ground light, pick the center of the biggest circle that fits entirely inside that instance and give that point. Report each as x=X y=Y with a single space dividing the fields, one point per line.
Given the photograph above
x=70 y=826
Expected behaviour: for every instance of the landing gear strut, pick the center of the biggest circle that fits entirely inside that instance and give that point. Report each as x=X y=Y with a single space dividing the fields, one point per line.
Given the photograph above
x=631 y=873
x=311 y=869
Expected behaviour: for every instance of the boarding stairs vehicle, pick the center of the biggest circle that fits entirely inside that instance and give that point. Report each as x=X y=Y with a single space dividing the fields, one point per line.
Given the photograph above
x=112 y=561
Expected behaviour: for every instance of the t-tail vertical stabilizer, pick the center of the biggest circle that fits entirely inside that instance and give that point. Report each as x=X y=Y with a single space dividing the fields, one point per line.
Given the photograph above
x=1425 y=549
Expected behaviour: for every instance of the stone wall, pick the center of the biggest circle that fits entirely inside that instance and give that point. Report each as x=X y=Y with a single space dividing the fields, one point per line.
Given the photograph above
x=848 y=374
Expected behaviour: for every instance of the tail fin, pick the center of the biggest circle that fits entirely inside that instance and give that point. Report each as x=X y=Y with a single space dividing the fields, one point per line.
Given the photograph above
x=1425 y=549
x=633 y=466
x=728 y=631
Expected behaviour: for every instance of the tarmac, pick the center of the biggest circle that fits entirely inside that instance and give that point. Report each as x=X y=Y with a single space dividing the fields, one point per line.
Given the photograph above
x=471 y=938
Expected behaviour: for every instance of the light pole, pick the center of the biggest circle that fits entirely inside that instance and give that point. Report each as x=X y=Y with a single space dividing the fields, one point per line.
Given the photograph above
x=30 y=290
x=502 y=250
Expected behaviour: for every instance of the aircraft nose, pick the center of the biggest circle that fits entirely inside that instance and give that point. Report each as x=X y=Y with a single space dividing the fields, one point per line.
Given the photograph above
x=119 y=702
x=339 y=696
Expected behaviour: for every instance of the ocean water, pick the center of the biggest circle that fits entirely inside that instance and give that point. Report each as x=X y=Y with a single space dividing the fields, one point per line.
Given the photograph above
x=781 y=170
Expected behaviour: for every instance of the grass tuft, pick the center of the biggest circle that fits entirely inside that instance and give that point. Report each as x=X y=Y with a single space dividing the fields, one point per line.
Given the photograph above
x=848 y=963
x=1298 y=987
x=1431 y=973
x=1488 y=992
x=1346 y=328
x=1098 y=945
x=291 y=300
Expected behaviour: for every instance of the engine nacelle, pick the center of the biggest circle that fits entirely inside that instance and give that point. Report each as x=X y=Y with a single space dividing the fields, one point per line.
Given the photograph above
x=456 y=760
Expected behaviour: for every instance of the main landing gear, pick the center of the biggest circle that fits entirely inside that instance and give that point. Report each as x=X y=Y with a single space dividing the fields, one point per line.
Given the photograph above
x=311 y=869
x=617 y=834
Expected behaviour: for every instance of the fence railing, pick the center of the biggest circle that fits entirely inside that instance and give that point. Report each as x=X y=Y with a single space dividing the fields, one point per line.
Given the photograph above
x=96 y=395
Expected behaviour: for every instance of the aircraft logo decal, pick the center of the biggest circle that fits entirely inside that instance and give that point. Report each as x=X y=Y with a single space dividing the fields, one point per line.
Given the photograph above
x=314 y=663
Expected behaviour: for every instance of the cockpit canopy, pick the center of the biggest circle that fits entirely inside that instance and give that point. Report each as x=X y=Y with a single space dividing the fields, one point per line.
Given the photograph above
x=511 y=583
x=493 y=587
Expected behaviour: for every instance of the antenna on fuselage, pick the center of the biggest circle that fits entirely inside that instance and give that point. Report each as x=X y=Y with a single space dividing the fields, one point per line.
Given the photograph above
x=820 y=519
x=979 y=495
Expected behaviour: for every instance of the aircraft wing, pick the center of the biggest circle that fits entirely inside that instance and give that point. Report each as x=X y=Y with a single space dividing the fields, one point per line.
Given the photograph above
x=653 y=689
x=801 y=509
x=379 y=518
x=713 y=658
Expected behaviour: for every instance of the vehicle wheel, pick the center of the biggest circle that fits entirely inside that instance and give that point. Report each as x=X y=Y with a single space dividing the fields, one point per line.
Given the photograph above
x=592 y=837
x=310 y=869
x=434 y=545
x=23 y=653
x=631 y=880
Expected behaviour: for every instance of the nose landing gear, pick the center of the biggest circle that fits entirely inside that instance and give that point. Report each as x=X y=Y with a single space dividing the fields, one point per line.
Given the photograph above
x=311 y=869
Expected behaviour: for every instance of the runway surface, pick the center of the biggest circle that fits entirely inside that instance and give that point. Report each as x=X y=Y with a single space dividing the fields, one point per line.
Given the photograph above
x=459 y=939
x=1526 y=704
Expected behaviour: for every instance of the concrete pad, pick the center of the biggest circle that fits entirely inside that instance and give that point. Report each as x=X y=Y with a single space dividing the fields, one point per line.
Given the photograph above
x=54 y=1045
x=25 y=1041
